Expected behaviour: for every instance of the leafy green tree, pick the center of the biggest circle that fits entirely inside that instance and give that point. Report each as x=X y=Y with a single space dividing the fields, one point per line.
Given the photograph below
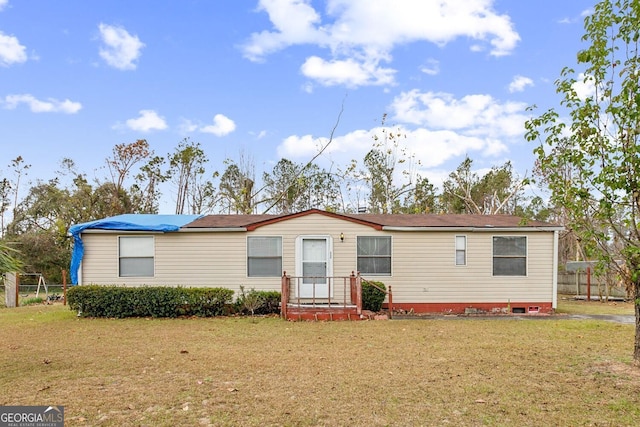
x=381 y=175
x=9 y=259
x=236 y=188
x=422 y=198
x=145 y=192
x=5 y=202
x=322 y=189
x=125 y=157
x=292 y=187
x=186 y=167
x=602 y=196
x=20 y=169
x=283 y=186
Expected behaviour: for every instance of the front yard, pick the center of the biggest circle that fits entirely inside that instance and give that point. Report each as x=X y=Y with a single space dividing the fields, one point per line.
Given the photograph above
x=265 y=371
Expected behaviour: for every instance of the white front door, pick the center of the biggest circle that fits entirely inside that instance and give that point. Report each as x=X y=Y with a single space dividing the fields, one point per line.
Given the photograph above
x=313 y=266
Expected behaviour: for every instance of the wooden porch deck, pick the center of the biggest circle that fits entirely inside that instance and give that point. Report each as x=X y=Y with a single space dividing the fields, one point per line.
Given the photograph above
x=327 y=298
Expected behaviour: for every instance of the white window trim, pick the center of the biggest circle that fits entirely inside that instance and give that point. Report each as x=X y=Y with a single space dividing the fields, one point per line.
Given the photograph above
x=154 y=256
x=526 y=263
x=390 y=256
x=455 y=252
x=246 y=258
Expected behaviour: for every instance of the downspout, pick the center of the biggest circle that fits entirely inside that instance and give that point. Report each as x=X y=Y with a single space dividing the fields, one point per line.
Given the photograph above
x=554 y=303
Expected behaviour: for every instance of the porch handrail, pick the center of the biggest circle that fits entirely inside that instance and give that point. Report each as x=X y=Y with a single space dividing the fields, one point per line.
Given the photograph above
x=284 y=294
x=351 y=292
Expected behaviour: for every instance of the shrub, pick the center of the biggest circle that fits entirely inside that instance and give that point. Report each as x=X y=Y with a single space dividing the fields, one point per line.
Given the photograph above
x=372 y=297
x=258 y=302
x=147 y=301
x=270 y=302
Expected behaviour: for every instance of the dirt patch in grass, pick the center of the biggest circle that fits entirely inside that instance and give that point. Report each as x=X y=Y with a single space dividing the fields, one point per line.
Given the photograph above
x=268 y=372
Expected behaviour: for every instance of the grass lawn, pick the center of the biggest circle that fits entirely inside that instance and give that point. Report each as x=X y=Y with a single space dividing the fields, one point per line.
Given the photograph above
x=567 y=304
x=268 y=372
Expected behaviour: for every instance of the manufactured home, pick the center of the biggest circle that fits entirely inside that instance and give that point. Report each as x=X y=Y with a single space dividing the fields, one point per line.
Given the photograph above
x=432 y=263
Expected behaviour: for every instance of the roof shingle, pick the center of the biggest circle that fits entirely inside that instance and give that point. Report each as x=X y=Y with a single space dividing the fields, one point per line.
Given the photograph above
x=374 y=220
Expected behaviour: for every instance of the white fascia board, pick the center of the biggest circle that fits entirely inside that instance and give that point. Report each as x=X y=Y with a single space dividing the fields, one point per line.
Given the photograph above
x=212 y=230
x=472 y=229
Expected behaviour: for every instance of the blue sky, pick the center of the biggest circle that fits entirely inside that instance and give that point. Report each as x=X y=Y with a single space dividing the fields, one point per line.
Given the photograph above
x=263 y=80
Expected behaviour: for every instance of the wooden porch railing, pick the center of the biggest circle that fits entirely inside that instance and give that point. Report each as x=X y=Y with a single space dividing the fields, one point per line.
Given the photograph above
x=342 y=292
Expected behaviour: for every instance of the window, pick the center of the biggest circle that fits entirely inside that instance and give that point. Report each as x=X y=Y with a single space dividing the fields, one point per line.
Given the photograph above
x=264 y=256
x=136 y=255
x=509 y=256
x=374 y=255
x=461 y=250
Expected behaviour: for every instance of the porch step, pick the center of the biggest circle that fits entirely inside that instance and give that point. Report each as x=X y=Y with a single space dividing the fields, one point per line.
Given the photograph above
x=331 y=314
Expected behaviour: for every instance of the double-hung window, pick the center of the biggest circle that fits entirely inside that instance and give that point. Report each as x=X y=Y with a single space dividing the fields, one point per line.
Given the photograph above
x=509 y=256
x=374 y=255
x=461 y=250
x=264 y=256
x=136 y=256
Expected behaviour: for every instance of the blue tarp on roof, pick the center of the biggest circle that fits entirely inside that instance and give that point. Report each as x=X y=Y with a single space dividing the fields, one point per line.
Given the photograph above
x=126 y=222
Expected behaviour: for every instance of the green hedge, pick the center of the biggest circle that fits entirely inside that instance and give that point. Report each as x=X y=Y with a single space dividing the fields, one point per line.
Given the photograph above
x=267 y=302
x=147 y=301
x=372 y=298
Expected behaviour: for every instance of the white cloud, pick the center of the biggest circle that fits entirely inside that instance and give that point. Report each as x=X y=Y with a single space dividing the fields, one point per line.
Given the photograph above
x=431 y=67
x=187 y=126
x=346 y=72
x=120 y=49
x=260 y=134
x=574 y=19
x=433 y=148
x=293 y=21
x=519 y=84
x=11 y=51
x=3 y=3
x=438 y=129
x=37 y=106
x=472 y=114
x=149 y=120
x=222 y=125
x=297 y=147
x=584 y=86
x=586 y=12
x=366 y=32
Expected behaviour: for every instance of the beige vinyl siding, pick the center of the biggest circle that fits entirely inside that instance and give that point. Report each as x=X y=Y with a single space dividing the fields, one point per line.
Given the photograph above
x=423 y=262
x=425 y=271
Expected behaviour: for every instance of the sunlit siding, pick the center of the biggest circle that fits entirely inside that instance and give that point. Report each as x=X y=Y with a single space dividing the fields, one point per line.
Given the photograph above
x=424 y=269
x=423 y=262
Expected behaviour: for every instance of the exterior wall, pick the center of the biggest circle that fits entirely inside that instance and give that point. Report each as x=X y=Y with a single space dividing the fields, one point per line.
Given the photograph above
x=424 y=269
x=423 y=263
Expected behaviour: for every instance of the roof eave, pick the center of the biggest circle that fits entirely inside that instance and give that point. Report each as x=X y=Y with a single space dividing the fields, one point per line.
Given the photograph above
x=212 y=229
x=255 y=225
x=469 y=229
